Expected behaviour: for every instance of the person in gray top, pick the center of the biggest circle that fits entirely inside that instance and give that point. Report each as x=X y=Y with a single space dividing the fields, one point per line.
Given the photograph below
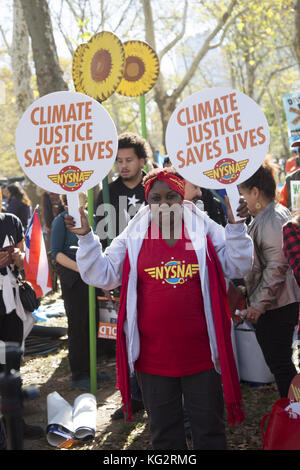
x=273 y=295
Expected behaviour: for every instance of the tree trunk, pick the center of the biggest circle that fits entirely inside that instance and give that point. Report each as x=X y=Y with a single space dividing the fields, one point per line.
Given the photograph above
x=284 y=137
x=48 y=71
x=19 y=60
x=297 y=31
x=21 y=72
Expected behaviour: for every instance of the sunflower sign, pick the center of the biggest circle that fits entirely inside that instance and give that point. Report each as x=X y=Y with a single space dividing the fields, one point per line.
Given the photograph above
x=217 y=138
x=105 y=65
x=66 y=142
x=141 y=69
x=76 y=62
x=140 y=74
x=98 y=66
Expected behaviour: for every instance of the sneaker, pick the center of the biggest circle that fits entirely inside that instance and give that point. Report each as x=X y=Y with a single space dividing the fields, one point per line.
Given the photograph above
x=135 y=406
x=81 y=384
x=84 y=384
x=102 y=376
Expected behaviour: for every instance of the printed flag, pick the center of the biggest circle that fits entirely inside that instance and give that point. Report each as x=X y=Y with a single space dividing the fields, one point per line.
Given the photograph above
x=160 y=159
x=36 y=262
x=291 y=104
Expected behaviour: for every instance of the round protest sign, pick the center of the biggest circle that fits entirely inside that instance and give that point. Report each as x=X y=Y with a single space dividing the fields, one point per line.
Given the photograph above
x=217 y=138
x=66 y=143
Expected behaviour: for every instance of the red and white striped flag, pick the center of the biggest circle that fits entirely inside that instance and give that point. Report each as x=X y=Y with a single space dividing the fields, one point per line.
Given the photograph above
x=36 y=262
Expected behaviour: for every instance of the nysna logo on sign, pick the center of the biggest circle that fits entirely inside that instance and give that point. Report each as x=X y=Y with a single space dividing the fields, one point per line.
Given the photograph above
x=66 y=142
x=226 y=171
x=217 y=138
x=71 y=178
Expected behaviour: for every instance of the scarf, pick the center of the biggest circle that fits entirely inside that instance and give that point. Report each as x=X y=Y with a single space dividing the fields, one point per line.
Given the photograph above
x=123 y=382
x=173 y=181
x=222 y=322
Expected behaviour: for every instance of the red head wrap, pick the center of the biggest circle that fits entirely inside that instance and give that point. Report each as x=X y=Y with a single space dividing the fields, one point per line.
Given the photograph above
x=175 y=183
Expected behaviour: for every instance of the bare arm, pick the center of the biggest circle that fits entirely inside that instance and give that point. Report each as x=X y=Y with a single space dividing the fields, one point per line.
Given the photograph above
x=64 y=260
x=19 y=254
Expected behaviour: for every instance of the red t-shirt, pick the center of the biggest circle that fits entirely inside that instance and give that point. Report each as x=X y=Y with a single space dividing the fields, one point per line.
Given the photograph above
x=173 y=334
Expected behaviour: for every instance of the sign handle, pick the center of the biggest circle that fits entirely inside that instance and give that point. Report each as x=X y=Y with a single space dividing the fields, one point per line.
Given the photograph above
x=73 y=206
x=234 y=199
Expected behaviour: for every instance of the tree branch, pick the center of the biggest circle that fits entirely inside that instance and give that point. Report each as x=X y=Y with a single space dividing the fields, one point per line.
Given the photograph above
x=203 y=51
x=229 y=23
x=171 y=44
x=4 y=39
x=269 y=78
x=59 y=25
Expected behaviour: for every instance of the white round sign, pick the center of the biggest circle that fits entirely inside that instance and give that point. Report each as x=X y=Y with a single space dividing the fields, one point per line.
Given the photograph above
x=66 y=142
x=217 y=137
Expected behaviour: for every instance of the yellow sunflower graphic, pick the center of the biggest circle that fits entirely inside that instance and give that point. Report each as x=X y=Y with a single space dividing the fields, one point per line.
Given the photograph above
x=76 y=67
x=141 y=69
x=102 y=65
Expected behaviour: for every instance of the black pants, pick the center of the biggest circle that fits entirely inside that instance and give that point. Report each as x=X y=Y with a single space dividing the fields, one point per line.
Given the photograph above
x=76 y=302
x=201 y=395
x=274 y=332
x=11 y=330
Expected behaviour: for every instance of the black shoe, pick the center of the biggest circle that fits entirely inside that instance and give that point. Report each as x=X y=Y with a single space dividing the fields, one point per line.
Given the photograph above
x=136 y=406
x=188 y=433
x=32 y=432
x=3 y=442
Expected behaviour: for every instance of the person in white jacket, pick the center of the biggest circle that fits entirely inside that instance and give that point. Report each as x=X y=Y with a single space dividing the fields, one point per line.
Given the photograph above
x=173 y=321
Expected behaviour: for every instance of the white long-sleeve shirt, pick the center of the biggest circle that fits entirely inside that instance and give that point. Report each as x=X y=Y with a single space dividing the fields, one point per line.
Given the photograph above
x=233 y=246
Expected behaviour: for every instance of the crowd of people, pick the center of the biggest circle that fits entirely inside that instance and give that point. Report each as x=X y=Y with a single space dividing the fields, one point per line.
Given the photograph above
x=169 y=253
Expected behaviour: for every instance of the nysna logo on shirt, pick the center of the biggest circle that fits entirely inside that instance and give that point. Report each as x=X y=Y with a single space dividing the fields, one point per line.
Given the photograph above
x=173 y=272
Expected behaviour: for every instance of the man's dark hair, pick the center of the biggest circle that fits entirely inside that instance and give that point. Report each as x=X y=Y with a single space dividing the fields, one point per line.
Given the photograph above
x=140 y=145
x=166 y=161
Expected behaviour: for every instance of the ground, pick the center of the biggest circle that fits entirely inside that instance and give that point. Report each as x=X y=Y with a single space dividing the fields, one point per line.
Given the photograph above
x=50 y=372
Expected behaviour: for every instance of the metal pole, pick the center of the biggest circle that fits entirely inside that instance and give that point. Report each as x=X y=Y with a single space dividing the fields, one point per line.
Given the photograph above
x=92 y=310
x=143 y=119
x=143 y=116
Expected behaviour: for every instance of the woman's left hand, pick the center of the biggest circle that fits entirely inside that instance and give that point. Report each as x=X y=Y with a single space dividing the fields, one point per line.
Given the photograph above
x=18 y=257
x=252 y=315
x=242 y=211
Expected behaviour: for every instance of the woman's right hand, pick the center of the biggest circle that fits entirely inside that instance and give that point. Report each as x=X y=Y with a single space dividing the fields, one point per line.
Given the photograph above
x=70 y=223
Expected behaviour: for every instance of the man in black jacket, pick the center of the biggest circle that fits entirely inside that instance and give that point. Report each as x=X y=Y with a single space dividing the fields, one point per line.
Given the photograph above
x=126 y=193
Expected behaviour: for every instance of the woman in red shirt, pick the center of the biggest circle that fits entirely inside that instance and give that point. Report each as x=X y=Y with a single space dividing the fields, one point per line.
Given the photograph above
x=173 y=321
